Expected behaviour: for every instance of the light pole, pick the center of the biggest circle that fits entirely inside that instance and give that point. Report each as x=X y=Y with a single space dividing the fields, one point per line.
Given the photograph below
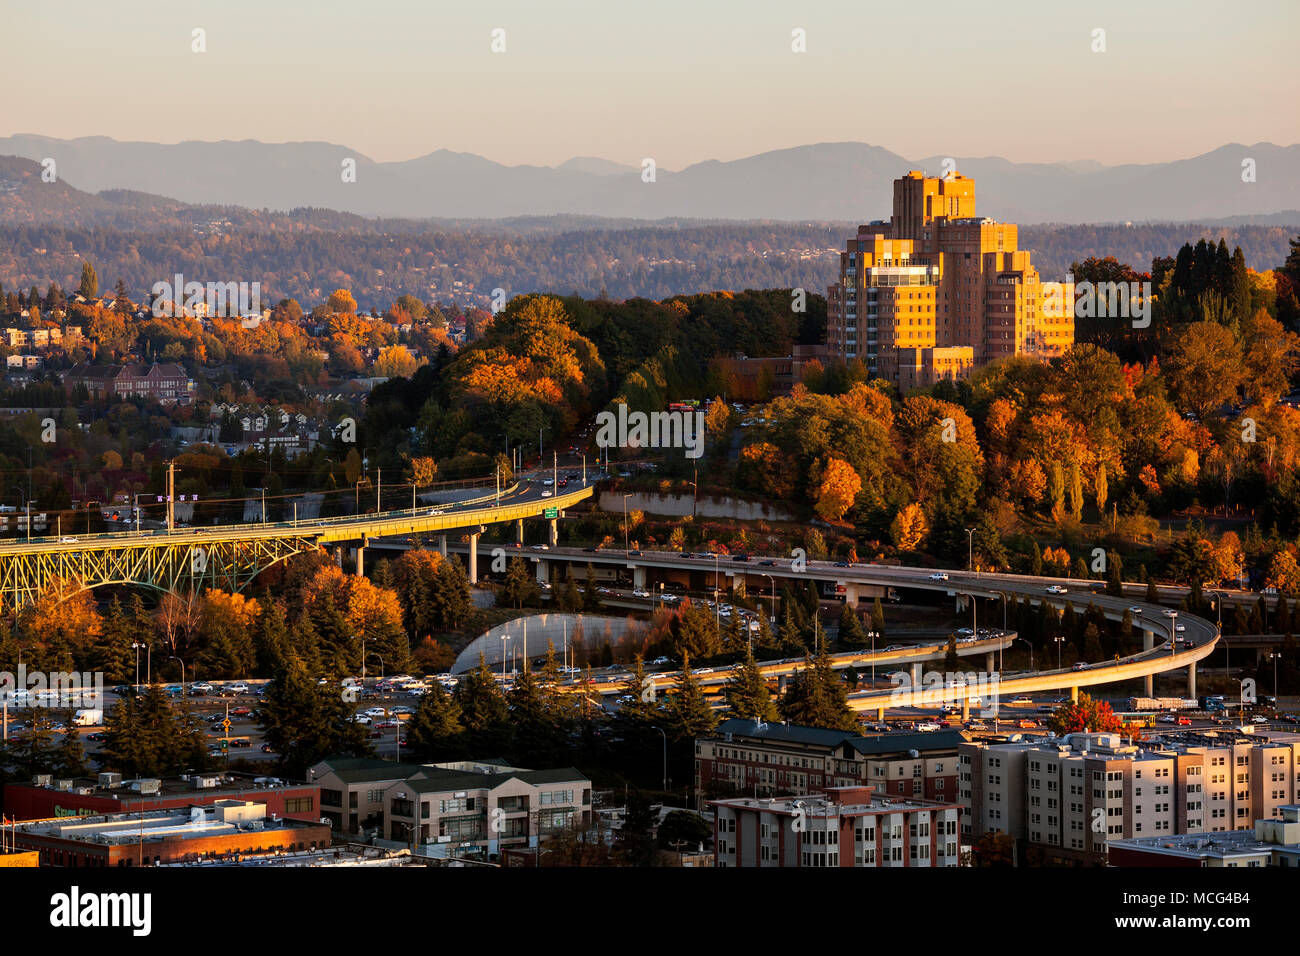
x=504 y=638
x=135 y=646
x=970 y=549
x=1031 y=651
x=772 y=583
x=1274 y=656
x=1173 y=631
x=627 y=547
x=665 y=736
x=29 y=519
x=1060 y=639
x=872 y=634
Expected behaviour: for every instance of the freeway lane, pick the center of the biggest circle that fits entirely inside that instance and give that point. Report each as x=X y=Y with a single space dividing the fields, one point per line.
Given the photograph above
x=1160 y=654
x=522 y=500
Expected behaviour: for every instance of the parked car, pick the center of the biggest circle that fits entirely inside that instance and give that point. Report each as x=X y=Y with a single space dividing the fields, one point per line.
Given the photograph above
x=200 y=688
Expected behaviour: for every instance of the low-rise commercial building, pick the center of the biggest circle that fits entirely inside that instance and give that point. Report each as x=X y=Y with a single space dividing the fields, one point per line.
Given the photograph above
x=227 y=828
x=1274 y=842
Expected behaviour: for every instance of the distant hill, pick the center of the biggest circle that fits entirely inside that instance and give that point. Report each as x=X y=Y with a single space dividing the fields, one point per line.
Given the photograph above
x=824 y=181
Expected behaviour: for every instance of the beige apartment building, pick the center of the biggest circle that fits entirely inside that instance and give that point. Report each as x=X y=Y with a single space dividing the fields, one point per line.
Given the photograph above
x=1069 y=798
x=936 y=291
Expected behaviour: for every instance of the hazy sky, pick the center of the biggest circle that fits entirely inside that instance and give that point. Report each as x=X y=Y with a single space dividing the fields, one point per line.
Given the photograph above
x=676 y=80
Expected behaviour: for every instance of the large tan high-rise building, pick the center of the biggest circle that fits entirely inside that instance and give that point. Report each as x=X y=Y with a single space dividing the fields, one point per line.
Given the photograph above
x=936 y=290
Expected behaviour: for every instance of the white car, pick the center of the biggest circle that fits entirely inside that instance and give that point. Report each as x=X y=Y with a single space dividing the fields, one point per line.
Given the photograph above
x=436 y=511
x=927 y=727
x=1181 y=627
x=1057 y=589
x=239 y=688
x=361 y=719
x=67 y=540
x=546 y=494
x=541 y=547
x=641 y=594
x=1135 y=610
x=375 y=712
x=939 y=576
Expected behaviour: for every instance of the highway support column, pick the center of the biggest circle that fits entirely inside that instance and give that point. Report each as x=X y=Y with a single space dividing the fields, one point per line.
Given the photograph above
x=442 y=545
x=519 y=531
x=554 y=536
x=473 y=557
x=1148 y=642
x=1191 y=679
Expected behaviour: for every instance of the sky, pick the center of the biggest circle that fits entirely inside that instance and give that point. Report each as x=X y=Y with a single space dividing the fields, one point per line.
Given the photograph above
x=681 y=81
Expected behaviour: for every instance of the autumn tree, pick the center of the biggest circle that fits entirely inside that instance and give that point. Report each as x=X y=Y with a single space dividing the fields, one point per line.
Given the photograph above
x=909 y=527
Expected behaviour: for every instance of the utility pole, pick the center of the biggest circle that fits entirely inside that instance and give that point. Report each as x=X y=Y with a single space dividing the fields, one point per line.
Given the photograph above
x=379 y=489
x=171 y=495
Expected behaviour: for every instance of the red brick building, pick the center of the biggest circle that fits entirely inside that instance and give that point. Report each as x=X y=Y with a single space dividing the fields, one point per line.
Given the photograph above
x=166 y=383
x=741 y=758
x=842 y=827
x=108 y=793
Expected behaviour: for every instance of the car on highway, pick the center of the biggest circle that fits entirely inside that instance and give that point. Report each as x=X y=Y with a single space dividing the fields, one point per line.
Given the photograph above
x=435 y=511
x=938 y=576
x=1181 y=627
x=640 y=593
x=200 y=688
x=767 y=564
x=740 y=557
x=1166 y=719
x=1184 y=721
x=1168 y=612
x=1057 y=589
x=1135 y=610
x=1260 y=719
x=1081 y=666
x=1021 y=701
x=964 y=631
x=1027 y=724
x=547 y=494
x=67 y=540
x=541 y=547
x=660 y=662
x=704 y=670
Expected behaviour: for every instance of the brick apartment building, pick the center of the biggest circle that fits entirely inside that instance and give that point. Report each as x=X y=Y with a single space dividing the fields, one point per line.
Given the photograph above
x=741 y=758
x=166 y=383
x=1068 y=799
x=839 y=827
x=937 y=291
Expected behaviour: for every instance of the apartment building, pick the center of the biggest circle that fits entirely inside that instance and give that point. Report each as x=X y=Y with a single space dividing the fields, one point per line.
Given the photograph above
x=768 y=760
x=480 y=810
x=1067 y=799
x=838 y=827
x=936 y=291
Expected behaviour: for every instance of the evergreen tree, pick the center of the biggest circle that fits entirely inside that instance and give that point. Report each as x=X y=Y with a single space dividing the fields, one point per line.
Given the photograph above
x=686 y=713
x=746 y=692
x=816 y=697
x=435 y=733
x=878 y=618
x=852 y=634
x=305 y=722
x=72 y=755
x=483 y=709
x=89 y=287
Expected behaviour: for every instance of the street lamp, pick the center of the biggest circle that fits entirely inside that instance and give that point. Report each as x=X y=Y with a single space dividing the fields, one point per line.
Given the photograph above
x=173 y=657
x=1274 y=656
x=1031 y=651
x=627 y=547
x=1173 y=631
x=772 y=582
x=970 y=549
x=665 y=736
x=504 y=638
x=1060 y=639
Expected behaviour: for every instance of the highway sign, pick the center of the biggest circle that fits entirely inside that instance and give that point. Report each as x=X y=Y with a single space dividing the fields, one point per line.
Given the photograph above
x=225 y=725
x=550 y=513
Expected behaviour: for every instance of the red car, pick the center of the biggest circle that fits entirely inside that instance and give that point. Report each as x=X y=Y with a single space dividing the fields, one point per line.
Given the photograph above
x=1184 y=721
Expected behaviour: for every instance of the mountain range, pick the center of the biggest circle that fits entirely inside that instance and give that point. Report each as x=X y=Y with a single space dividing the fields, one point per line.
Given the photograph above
x=818 y=182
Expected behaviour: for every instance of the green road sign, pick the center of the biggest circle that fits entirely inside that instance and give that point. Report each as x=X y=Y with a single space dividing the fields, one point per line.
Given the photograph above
x=550 y=513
